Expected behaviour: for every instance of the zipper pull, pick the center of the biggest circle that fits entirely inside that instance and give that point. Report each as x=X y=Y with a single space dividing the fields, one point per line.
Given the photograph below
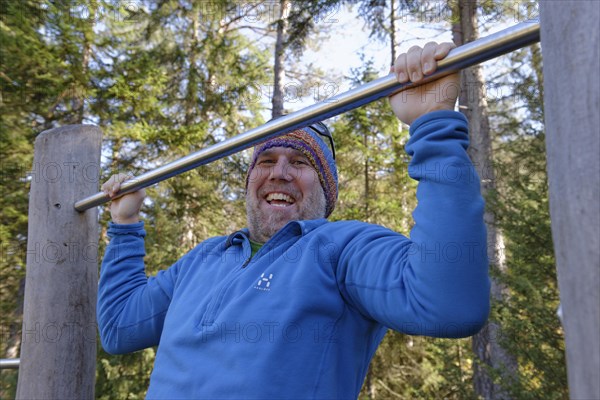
x=246 y=262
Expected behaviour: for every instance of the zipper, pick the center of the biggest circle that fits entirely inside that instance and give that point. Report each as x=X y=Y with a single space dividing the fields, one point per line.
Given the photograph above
x=214 y=306
x=245 y=264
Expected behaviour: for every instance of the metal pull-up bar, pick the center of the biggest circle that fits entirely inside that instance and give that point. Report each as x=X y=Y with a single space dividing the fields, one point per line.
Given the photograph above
x=476 y=52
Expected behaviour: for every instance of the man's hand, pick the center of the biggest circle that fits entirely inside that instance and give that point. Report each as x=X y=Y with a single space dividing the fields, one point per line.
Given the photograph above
x=124 y=209
x=414 y=66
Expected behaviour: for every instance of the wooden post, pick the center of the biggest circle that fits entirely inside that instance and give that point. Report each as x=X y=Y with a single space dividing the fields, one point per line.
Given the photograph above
x=58 y=348
x=570 y=37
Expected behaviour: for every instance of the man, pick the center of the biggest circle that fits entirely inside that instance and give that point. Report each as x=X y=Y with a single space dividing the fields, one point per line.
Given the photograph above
x=295 y=306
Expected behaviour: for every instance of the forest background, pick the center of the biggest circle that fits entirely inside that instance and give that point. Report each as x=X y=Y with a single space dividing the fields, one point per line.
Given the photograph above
x=164 y=78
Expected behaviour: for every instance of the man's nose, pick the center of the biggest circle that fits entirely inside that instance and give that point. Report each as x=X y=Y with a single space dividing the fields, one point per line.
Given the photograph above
x=281 y=170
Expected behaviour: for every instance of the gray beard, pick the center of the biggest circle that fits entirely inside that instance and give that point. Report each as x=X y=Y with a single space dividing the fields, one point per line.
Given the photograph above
x=263 y=226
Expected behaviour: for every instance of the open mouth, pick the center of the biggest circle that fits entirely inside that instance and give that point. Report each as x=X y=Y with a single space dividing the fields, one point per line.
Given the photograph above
x=280 y=199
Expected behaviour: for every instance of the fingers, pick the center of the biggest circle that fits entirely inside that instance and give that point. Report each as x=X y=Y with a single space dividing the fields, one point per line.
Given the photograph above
x=419 y=62
x=112 y=186
x=400 y=69
x=413 y=64
x=443 y=49
x=428 y=60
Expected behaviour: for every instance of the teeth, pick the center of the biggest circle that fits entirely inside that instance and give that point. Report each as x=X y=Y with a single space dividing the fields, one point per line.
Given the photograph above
x=279 y=196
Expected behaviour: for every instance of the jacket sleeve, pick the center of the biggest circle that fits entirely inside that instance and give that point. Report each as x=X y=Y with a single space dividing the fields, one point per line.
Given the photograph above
x=131 y=307
x=436 y=283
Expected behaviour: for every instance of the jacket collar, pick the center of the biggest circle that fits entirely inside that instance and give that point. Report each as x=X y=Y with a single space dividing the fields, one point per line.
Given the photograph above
x=291 y=229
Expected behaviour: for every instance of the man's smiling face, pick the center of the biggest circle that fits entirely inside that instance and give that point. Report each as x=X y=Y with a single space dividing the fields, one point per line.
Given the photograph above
x=283 y=186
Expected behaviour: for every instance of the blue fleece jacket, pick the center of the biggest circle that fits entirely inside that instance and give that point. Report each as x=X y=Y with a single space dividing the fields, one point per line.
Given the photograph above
x=303 y=317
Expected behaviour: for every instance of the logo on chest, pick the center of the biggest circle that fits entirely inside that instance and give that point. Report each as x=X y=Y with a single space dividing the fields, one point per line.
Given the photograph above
x=264 y=282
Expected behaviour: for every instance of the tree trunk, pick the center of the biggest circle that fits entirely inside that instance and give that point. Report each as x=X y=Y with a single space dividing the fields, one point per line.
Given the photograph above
x=367 y=194
x=282 y=27
x=393 y=29
x=191 y=98
x=473 y=104
x=369 y=384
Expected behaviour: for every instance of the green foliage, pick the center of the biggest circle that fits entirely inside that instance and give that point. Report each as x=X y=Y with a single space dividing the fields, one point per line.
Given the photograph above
x=306 y=16
x=452 y=361
x=123 y=377
x=415 y=367
x=531 y=329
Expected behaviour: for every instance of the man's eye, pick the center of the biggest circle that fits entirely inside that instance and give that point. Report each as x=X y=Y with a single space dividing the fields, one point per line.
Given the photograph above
x=266 y=161
x=300 y=162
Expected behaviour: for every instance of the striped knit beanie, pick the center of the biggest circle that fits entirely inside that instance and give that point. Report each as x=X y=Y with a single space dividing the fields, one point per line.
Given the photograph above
x=316 y=151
